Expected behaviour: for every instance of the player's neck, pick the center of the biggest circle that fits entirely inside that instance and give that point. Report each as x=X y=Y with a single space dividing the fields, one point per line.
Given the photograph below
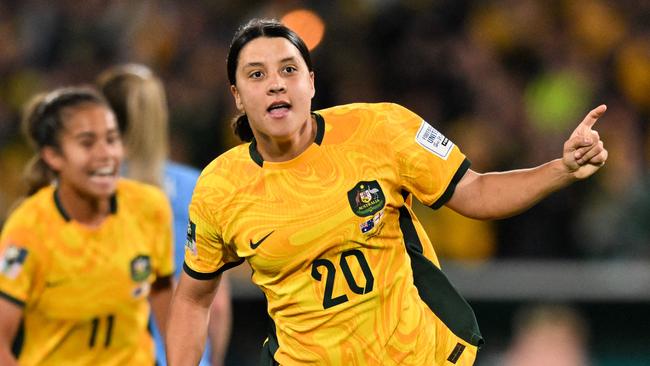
x=283 y=150
x=87 y=210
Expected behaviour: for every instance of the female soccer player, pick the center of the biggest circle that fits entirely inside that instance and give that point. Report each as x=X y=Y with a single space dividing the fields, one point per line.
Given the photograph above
x=84 y=254
x=319 y=204
x=137 y=96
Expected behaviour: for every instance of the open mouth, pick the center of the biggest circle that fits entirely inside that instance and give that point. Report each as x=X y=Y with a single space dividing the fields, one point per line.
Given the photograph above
x=278 y=109
x=104 y=172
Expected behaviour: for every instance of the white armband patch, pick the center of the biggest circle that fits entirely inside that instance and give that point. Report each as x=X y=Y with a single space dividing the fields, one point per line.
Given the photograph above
x=432 y=140
x=12 y=260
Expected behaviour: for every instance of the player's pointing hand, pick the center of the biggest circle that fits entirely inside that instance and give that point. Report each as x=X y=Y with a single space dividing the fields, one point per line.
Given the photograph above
x=584 y=152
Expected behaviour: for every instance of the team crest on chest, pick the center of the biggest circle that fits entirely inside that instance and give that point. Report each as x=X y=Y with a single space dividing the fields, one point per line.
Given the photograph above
x=140 y=268
x=366 y=198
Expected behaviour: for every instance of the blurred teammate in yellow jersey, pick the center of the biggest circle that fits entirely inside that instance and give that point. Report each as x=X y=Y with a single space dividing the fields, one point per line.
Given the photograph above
x=319 y=204
x=85 y=253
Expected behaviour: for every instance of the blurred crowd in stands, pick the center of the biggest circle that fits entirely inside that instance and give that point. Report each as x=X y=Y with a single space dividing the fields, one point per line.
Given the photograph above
x=507 y=80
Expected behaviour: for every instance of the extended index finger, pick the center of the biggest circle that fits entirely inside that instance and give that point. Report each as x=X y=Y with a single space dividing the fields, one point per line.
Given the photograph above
x=593 y=116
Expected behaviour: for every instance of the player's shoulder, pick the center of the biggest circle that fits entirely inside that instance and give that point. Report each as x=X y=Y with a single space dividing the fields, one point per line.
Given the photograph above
x=224 y=177
x=131 y=187
x=363 y=122
x=230 y=167
x=35 y=208
x=135 y=193
x=362 y=109
x=368 y=116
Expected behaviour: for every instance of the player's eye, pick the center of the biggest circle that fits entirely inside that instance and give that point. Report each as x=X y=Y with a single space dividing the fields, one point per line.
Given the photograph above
x=113 y=138
x=290 y=69
x=87 y=142
x=255 y=75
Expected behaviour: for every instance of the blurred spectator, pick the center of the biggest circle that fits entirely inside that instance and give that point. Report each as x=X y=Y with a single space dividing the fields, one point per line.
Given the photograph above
x=545 y=335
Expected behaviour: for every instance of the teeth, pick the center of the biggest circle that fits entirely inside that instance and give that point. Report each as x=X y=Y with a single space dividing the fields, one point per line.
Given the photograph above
x=276 y=106
x=104 y=171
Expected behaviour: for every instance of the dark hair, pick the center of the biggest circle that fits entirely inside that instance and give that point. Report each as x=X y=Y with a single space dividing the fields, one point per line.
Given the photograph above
x=43 y=120
x=257 y=28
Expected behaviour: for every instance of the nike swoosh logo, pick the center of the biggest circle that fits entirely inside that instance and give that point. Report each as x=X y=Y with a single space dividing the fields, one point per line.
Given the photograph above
x=257 y=243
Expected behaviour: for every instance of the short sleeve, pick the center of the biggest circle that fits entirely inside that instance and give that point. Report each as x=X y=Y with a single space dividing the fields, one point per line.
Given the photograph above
x=206 y=254
x=18 y=263
x=430 y=165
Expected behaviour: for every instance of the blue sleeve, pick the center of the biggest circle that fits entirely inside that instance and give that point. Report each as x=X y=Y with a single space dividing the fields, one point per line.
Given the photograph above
x=179 y=186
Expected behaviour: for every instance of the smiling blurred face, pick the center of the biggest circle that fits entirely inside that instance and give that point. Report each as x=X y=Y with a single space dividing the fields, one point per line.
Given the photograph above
x=274 y=88
x=88 y=162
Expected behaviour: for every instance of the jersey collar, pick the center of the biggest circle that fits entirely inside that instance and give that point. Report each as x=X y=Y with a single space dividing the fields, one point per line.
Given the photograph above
x=320 y=134
x=64 y=213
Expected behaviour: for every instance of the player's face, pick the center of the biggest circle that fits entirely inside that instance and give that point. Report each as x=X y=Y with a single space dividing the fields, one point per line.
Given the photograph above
x=88 y=162
x=274 y=87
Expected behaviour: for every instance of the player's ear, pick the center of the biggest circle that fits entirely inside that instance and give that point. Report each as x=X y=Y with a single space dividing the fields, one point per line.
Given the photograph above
x=311 y=80
x=235 y=94
x=53 y=158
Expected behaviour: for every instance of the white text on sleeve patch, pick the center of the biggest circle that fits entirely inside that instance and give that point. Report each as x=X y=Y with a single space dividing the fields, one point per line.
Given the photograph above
x=12 y=260
x=432 y=140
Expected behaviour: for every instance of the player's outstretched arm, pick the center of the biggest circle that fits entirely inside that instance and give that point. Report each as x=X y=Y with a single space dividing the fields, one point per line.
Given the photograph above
x=187 y=324
x=10 y=315
x=501 y=194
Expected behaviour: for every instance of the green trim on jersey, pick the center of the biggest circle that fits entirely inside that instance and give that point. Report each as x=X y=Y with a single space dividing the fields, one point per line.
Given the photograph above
x=320 y=128
x=12 y=299
x=19 y=340
x=208 y=276
x=436 y=290
x=318 y=139
x=269 y=347
x=446 y=196
x=255 y=155
x=64 y=213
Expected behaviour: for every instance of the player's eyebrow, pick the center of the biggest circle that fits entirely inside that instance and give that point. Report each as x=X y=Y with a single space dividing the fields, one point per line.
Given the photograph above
x=84 y=134
x=92 y=134
x=254 y=64
x=288 y=59
x=259 y=64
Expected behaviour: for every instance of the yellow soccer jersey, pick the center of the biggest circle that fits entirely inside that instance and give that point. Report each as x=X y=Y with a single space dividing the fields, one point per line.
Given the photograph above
x=348 y=272
x=84 y=291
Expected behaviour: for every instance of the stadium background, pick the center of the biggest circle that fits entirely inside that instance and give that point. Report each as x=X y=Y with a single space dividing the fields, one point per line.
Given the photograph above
x=507 y=80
